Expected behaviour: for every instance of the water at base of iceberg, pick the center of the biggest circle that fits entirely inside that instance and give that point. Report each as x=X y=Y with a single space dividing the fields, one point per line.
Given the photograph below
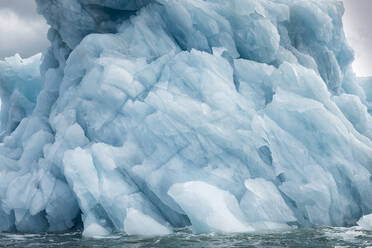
x=339 y=237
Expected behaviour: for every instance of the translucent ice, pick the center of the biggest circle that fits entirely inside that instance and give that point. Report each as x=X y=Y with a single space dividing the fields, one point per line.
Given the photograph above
x=149 y=115
x=366 y=222
x=217 y=210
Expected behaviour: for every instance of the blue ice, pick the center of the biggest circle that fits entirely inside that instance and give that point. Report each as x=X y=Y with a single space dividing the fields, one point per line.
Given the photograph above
x=149 y=115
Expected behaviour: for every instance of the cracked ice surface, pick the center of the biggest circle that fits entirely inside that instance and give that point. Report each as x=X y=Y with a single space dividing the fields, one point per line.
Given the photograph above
x=147 y=115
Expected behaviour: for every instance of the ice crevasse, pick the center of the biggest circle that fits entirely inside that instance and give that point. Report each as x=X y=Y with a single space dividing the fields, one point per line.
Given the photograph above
x=149 y=115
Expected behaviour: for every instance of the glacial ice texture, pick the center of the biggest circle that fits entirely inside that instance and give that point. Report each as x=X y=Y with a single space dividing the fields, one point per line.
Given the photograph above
x=149 y=115
x=366 y=222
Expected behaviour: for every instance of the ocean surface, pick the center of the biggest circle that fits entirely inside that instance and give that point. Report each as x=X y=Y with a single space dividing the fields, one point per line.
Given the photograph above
x=321 y=237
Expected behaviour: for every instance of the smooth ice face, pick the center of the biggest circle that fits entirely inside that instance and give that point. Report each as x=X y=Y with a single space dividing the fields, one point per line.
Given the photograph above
x=229 y=116
x=216 y=210
x=137 y=223
x=264 y=206
x=366 y=222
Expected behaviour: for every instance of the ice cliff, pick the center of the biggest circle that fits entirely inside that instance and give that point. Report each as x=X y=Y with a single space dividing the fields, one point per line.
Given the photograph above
x=149 y=115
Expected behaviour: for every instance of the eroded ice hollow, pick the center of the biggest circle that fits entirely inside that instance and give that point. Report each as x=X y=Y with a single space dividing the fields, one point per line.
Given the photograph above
x=145 y=116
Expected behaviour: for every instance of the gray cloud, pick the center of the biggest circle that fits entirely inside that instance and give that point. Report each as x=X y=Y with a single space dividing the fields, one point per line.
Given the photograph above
x=24 y=8
x=22 y=30
x=358 y=30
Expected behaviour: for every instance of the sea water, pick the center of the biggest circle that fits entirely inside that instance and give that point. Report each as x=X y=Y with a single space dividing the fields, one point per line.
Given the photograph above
x=312 y=237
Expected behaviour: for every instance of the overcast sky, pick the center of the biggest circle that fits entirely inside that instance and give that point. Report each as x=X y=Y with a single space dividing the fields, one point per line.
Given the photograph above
x=22 y=30
x=358 y=28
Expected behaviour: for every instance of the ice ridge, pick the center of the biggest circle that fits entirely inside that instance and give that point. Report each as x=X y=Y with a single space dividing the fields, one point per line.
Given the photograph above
x=148 y=115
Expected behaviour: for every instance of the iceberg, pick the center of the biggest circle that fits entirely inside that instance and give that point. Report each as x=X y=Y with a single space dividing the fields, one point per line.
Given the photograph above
x=366 y=222
x=149 y=115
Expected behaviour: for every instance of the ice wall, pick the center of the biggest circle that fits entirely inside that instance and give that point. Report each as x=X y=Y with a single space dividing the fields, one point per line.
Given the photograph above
x=147 y=115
